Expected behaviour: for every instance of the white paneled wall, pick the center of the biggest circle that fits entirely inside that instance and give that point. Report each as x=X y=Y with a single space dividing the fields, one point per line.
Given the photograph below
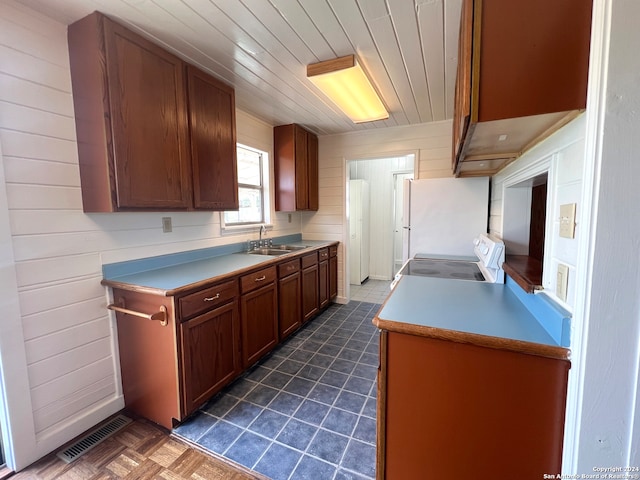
x=378 y=173
x=430 y=142
x=58 y=250
x=562 y=155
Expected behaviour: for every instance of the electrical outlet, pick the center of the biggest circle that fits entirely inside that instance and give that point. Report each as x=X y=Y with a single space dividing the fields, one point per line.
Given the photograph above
x=166 y=224
x=562 y=282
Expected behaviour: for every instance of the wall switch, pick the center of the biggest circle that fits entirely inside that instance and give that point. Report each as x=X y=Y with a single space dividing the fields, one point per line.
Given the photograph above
x=562 y=282
x=568 y=220
x=166 y=224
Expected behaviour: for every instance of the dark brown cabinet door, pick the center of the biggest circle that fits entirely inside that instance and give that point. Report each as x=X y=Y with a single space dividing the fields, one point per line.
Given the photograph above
x=296 y=168
x=147 y=111
x=213 y=142
x=259 y=323
x=210 y=354
x=462 y=102
x=302 y=168
x=312 y=184
x=323 y=283
x=310 y=289
x=333 y=277
x=289 y=304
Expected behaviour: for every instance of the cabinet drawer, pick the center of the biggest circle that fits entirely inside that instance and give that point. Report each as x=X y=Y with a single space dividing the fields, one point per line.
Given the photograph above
x=309 y=260
x=323 y=253
x=257 y=279
x=333 y=251
x=287 y=268
x=206 y=299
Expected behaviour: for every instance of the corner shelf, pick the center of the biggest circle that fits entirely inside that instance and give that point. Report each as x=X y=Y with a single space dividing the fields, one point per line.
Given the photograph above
x=526 y=271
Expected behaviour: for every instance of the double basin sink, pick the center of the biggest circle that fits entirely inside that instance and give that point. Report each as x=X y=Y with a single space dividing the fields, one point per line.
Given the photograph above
x=276 y=250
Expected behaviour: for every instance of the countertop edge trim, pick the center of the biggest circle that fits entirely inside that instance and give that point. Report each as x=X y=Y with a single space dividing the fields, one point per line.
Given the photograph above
x=518 y=346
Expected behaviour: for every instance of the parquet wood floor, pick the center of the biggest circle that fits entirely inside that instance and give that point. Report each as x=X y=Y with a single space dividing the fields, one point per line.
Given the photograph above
x=140 y=451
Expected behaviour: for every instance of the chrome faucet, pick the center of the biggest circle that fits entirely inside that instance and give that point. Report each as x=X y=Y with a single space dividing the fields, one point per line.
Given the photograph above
x=255 y=244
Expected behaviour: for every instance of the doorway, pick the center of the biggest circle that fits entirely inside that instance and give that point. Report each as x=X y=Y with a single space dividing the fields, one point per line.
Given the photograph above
x=398 y=218
x=380 y=212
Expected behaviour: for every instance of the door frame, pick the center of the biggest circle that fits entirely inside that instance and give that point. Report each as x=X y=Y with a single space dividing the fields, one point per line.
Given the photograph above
x=16 y=414
x=346 y=162
x=394 y=176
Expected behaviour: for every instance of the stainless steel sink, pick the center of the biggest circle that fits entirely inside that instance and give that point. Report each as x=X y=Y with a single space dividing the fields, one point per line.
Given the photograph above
x=291 y=247
x=269 y=251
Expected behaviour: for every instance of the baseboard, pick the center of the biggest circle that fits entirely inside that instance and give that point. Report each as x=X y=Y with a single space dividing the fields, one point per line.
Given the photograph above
x=379 y=277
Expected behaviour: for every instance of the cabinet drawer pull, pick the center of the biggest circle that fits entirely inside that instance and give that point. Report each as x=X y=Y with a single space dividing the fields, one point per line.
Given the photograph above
x=259 y=279
x=211 y=299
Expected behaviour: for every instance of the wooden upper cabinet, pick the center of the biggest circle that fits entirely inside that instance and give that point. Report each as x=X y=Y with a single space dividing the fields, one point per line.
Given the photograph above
x=522 y=74
x=213 y=142
x=130 y=106
x=133 y=124
x=296 y=168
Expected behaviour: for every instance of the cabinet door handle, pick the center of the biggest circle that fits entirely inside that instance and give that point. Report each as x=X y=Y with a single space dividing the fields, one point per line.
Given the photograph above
x=211 y=299
x=259 y=279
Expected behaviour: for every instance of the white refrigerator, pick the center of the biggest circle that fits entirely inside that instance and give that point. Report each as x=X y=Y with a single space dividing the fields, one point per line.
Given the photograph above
x=442 y=216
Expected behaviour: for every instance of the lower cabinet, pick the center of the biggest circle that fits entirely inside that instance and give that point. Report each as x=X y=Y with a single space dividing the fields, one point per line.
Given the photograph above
x=209 y=336
x=323 y=278
x=310 y=286
x=289 y=298
x=333 y=272
x=210 y=356
x=454 y=410
x=259 y=314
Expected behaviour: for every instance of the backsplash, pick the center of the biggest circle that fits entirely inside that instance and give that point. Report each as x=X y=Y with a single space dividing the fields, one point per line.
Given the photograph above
x=118 y=269
x=551 y=316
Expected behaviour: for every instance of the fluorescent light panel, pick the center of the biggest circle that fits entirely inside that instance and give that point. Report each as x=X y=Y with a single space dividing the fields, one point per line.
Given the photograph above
x=344 y=81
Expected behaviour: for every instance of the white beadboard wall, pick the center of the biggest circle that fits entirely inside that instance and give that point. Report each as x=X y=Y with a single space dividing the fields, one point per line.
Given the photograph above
x=59 y=250
x=564 y=154
x=378 y=173
x=431 y=144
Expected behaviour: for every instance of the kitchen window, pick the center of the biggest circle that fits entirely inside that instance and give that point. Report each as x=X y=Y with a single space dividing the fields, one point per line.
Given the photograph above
x=252 y=190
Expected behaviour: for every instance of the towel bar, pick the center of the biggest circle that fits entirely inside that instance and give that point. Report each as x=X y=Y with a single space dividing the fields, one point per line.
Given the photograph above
x=161 y=315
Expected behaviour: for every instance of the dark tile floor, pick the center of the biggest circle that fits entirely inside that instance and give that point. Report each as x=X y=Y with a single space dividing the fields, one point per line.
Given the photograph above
x=307 y=410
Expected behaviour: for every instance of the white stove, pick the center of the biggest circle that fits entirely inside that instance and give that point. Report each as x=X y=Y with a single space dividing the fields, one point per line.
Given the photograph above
x=488 y=249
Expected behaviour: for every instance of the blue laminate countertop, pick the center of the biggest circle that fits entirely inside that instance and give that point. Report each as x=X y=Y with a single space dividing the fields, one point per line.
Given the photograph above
x=176 y=278
x=486 y=314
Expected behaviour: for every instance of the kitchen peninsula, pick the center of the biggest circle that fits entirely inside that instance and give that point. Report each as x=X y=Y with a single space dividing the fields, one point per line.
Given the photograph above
x=469 y=382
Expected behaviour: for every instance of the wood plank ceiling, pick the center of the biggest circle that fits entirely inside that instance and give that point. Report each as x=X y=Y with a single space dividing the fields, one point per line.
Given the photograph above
x=262 y=48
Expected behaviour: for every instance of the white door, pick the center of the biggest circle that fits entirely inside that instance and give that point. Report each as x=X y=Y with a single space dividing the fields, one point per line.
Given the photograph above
x=364 y=231
x=355 y=233
x=399 y=221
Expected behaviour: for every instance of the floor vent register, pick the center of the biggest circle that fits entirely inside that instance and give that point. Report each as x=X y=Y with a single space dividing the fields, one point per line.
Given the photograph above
x=93 y=438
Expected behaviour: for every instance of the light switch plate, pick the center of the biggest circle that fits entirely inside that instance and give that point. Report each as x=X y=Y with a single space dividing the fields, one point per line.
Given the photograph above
x=562 y=282
x=568 y=220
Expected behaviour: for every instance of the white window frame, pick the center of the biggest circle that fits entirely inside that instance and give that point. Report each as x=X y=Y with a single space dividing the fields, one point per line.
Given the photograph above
x=232 y=228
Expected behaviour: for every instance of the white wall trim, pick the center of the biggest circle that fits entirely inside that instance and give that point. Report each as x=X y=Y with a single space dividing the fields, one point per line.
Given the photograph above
x=596 y=105
x=18 y=429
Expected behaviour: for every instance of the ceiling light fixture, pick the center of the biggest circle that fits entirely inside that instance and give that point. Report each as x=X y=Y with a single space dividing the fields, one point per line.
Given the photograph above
x=344 y=81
